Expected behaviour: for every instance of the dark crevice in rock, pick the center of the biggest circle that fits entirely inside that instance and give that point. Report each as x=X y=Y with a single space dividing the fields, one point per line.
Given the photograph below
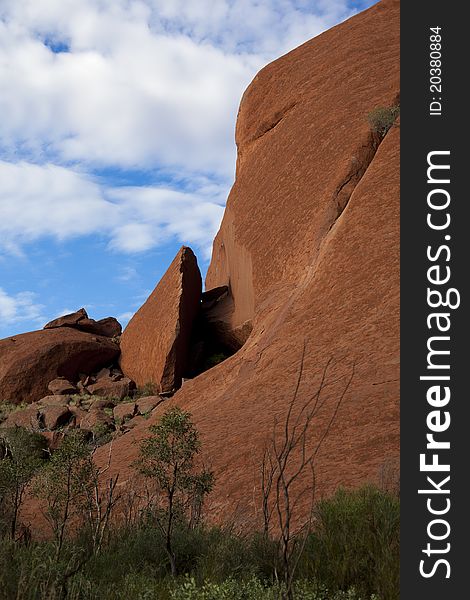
x=266 y=127
x=359 y=164
x=212 y=339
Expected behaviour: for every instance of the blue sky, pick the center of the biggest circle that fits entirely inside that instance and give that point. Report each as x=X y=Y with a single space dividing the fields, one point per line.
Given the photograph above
x=117 y=139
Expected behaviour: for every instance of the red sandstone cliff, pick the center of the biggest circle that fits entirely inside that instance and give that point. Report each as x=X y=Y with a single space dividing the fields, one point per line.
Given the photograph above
x=309 y=247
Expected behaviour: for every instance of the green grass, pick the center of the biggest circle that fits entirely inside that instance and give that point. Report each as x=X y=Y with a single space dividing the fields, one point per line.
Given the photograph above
x=7 y=408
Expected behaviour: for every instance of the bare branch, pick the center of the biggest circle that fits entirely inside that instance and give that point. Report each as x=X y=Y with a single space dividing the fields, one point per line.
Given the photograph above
x=287 y=460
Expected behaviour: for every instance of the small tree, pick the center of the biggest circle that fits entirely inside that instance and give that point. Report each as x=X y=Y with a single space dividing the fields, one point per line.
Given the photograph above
x=289 y=458
x=99 y=501
x=168 y=459
x=63 y=484
x=21 y=456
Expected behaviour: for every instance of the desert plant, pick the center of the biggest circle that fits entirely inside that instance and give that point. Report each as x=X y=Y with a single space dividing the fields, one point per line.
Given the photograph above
x=101 y=434
x=286 y=460
x=7 y=408
x=148 y=389
x=62 y=484
x=356 y=542
x=21 y=456
x=382 y=118
x=167 y=457
x=214 y=359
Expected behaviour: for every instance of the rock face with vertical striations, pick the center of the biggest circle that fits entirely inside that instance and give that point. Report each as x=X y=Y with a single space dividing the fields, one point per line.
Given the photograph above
x=309 y=252
x=155 y=343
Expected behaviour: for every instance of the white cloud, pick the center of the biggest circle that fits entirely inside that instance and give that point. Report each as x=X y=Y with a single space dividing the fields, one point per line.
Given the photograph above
x=144 y=83
x=52 y=201
x=151 y=213
x=124 y=318
x=126 y=273
x=122 y=96
x=19 y=307
x=49 y=200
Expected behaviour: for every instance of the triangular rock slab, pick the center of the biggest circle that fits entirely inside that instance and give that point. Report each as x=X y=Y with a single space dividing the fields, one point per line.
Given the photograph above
x=154 y=345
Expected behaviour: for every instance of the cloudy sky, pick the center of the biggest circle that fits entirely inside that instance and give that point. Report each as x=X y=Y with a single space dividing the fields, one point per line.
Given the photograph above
x=117 y=144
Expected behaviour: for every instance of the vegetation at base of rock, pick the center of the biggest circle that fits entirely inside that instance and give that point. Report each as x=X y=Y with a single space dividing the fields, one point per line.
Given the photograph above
x=153 y=542
x=101 y=434
x=357 y=538
x=215 y=563
x=382 y=118
x=62 y=485
x=167 y=460
x=214 y=359
x=6 y=408
x=21 y=456
x=148 y=389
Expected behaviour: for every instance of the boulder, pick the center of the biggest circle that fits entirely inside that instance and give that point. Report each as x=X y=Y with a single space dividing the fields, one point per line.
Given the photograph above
x=155 y=343
x=101 y=404
x=30 y=361
x=61 y=386
x=53 y=438
x=70 y=320
x=147 y=404
x=104 y=373
x=209 y=298
x=134 y=422
x=96 y=418
x=52 y=417
x=124 y=411
x=78 y=414
x=54 y=401
x=27 y=417
x=108 y=327
x=113 y=389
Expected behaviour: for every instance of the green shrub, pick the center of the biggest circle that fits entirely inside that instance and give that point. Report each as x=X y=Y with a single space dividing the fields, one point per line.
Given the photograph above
x=133 y=564
x=102 y=434
x=22 y=454
x=167 y=460
x=382 y=118
x=7 y=408
x=214 y=359
x=356 y=542
x=148 y=389
x=254 y=589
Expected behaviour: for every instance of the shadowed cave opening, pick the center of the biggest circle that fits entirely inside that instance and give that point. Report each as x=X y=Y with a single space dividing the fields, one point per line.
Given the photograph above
x=212 y=339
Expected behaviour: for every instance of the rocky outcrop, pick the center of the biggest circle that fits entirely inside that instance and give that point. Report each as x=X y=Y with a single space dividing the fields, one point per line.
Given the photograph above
x=309 y=252
x=69 y=320
x=108 y=327
x=31 y=361
x=115 y=389
x=97 y=417
x=61 y=386
x=155 y=343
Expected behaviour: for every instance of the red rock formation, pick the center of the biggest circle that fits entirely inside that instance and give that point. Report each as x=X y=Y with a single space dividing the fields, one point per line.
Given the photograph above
x=155 y=343
x=108 y=327
x=69 y=320
x=61 y=386
x=30 y=361
x=114 y=389
x=309 y=247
